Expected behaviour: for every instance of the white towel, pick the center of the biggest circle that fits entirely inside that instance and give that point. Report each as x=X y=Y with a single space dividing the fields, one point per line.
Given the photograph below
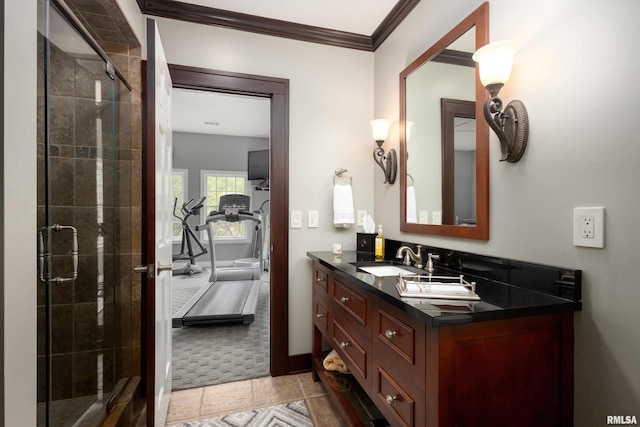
x=412 y=211
x=424 y=288
x=343 y=215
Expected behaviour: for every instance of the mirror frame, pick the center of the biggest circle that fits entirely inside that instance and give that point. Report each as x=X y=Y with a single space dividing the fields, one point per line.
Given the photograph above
x=480 y=19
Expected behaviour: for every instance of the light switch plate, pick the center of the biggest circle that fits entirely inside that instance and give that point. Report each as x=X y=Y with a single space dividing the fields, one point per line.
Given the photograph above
x=437 y=217
x=588 y=227
x=423 y=217
x=312 y=219
x=296 y=219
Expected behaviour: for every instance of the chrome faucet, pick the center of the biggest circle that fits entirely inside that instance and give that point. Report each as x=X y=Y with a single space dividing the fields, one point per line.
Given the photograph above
x=430 y=269
x=410 y=254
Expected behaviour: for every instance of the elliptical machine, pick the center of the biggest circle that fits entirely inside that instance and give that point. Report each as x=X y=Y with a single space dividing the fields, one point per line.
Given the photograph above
x=188 y=209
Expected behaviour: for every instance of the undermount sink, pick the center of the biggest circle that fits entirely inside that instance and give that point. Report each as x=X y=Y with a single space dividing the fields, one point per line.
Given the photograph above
x=385 y=270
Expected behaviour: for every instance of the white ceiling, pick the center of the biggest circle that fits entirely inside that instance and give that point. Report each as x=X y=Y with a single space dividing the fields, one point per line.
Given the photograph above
x=354 y=16
x=220 y=114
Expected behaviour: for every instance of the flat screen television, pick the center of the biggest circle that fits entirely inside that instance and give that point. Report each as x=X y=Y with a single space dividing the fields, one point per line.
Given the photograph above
x=258 y=165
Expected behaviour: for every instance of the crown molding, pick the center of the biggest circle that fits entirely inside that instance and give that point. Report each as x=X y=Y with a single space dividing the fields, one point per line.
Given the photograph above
x=278 y=28
x=391 y=21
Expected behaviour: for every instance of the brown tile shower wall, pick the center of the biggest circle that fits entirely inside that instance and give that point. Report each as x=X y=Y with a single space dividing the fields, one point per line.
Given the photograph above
x=129 y=61
x=107 y=25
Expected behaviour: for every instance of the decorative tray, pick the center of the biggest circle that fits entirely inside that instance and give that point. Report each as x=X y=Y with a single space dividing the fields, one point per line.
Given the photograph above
x=436 y=287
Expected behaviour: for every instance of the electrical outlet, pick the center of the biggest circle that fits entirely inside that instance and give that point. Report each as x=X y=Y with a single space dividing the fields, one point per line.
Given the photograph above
x=588 y=227
x=361 y=214
x=296 y=219
x=312 y=219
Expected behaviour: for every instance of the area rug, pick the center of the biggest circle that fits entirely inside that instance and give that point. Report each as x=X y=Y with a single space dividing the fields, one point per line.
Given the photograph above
x=294 y=414
x=217 y=354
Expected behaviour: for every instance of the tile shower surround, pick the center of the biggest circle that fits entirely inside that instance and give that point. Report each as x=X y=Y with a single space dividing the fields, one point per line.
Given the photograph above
x=72 y=156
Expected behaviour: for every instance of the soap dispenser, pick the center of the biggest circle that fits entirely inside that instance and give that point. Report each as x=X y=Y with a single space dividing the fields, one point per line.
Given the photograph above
x=379 y=245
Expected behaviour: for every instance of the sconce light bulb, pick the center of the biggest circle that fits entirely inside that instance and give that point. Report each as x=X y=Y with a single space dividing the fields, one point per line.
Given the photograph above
x=495 y=61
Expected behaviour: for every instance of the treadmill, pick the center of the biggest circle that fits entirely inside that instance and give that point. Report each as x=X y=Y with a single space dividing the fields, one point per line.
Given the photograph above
x=231 y=296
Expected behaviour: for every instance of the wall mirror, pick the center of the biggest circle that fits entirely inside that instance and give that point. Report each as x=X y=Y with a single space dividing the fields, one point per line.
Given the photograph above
x=444 y=150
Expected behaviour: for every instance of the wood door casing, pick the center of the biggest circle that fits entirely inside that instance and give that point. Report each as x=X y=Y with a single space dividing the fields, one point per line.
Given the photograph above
x=277 y=90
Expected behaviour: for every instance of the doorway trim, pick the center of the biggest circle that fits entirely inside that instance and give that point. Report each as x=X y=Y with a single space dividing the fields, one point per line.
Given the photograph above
x=277 y=90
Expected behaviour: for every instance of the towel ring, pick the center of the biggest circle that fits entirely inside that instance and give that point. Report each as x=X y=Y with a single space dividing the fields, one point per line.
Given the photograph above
x=338 y=173
x=409 y=176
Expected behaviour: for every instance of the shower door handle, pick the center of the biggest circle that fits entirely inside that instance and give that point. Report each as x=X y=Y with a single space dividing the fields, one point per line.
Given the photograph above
x=44 y=255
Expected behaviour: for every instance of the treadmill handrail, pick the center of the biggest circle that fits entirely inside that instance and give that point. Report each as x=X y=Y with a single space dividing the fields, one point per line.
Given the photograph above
x=220 y=216
x=241 y=216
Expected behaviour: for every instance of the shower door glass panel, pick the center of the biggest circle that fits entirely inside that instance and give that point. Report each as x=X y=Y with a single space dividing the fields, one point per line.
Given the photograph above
x=79 y=337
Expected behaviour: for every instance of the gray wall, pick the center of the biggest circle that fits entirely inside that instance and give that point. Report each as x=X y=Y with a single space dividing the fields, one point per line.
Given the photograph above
x=18 y=228
x=196 y=152
x=583 y=151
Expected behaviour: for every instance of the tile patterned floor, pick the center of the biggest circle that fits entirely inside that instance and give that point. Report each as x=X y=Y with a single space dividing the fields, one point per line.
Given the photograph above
x=208 y=402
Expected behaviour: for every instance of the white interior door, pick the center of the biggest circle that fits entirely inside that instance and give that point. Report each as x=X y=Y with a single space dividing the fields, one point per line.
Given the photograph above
x=159 y=81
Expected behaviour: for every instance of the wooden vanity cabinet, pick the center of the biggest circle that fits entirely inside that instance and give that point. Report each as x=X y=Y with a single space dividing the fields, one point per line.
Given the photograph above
x=516 y=371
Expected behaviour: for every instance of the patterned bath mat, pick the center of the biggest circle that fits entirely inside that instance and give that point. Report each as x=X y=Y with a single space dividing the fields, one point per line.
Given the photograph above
x=293 y=414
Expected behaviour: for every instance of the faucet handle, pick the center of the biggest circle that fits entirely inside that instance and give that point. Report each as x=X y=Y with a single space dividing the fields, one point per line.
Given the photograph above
x=430 y=268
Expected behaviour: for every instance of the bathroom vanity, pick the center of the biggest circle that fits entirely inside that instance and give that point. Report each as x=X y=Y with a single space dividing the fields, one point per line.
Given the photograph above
x=504 y=360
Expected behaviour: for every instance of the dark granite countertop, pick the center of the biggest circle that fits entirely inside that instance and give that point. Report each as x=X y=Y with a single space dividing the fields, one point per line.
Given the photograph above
x=499 y=300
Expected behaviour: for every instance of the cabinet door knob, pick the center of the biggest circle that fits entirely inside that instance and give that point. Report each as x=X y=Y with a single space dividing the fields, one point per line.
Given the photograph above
x=344 y=344
x=319 y=280
x=344 y=299
x=390 y=334
x=391 y=399
x=320 y=315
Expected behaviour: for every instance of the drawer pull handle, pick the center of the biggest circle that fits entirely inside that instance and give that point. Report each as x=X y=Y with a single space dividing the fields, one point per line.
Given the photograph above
x=344 y=344
x=319 y=315
x=391 y=399
x=344 y=299
x=319 y=280
x=390 y=334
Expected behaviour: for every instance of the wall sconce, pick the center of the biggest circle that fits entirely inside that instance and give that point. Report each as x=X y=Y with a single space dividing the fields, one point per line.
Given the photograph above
x=512 y=124
x=388 y=163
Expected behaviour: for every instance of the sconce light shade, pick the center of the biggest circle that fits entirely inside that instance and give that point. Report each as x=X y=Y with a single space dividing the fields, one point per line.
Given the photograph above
x=495 y=61
x=388 y=163
x=511 y=125
x=380 y=129
x=407 y=129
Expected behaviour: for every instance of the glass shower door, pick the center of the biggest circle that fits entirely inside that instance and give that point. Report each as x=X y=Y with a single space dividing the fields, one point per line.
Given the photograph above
x=79 y=348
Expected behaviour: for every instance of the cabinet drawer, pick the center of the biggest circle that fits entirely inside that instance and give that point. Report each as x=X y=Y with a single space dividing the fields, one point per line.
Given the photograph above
x=397 y=336
x=320 y=281
x=398 y=402
x=321 y=315
x=355 y=305
x=349 y=347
